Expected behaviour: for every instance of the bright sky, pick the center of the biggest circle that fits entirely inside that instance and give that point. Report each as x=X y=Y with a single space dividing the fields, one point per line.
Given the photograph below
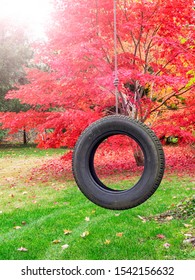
x=33 y=13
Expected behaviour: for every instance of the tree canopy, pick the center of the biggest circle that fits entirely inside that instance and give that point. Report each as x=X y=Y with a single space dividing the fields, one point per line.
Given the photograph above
x=156 y=56
x=15 y=53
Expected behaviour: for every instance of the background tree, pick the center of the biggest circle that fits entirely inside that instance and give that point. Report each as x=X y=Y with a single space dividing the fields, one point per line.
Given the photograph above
x=15 y=53
x=155 y=57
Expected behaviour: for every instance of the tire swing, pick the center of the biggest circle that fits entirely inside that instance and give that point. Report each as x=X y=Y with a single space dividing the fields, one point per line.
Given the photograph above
x=83 y=165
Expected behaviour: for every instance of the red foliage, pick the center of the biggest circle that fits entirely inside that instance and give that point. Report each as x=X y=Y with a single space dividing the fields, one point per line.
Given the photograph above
x=179 y=124
x=179 y=161
x=155 y=53
x=28 y=120
x=75 y=87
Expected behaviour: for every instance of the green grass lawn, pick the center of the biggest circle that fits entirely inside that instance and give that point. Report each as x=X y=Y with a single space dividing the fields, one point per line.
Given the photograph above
x=35 y=215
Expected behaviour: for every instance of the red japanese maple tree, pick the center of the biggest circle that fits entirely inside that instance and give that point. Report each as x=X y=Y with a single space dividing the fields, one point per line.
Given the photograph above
x=74 y=86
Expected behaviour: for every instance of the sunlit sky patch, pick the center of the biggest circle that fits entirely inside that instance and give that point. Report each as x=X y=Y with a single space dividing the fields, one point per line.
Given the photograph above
x=32 y=13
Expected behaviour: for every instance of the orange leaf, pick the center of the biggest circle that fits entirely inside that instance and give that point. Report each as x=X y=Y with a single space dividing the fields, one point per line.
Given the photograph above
x=67 y=231
x=56 y=241
x=119 y=234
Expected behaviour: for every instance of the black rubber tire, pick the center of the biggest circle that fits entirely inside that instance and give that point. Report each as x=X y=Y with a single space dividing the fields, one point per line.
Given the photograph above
x=83 y=163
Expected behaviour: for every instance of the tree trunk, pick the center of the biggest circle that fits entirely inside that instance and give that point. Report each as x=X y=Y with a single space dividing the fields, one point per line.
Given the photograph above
x=24 y=137
x=138 y=155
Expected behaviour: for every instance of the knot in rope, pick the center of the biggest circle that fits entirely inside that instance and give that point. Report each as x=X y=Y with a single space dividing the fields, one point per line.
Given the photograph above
x=116 y=82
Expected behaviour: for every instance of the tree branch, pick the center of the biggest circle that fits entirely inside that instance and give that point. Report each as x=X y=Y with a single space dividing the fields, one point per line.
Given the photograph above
x=170 y=96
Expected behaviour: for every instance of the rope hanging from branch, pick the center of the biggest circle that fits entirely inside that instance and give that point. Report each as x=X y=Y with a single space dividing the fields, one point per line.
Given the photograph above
x=83 y=165
x=116 y=79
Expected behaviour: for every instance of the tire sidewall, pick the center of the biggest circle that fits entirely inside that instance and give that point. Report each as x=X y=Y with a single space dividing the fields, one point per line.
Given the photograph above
x=89 y=141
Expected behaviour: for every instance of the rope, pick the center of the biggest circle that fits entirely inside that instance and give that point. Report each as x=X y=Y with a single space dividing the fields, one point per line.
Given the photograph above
x=116 y=79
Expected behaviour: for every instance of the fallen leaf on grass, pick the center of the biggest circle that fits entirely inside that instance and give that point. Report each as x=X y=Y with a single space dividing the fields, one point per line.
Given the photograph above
x=66 y=203
x=119 y=234
x=107 y=242
x=187 y=225
x=22 y=249
x=166 y=245
x=65 y=246
x=17 y=227
x=142 y=218
x=56 y=241
x=190 y=241
x=169 y=218
x=84 y=234
x=87 y=219
x=161 y=236
x=67 y=231
x=188 y=234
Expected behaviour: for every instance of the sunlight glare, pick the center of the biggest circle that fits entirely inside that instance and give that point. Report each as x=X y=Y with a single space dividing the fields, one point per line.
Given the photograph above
x=32 y=13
